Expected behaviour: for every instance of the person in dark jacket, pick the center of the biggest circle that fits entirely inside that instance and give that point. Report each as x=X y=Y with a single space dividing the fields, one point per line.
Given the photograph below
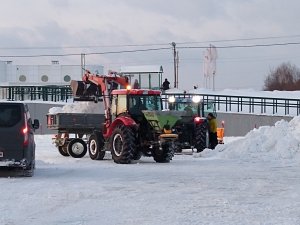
x=213 y=125
x=166 y=84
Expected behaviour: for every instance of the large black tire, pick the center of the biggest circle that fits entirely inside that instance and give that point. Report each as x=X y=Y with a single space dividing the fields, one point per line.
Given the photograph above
x=137 y=155
x=63 y=150
x=122 y=144
x=77 y=148
x=178 y=147
x=201 y=136
x=95 y=147
x=165 y=154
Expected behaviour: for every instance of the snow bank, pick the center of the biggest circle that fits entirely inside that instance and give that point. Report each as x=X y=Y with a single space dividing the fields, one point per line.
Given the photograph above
x=248 y=92
x=79 y=107
x=279 y=142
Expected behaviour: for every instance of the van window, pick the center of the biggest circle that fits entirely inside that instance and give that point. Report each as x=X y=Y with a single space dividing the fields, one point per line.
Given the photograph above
x=10 y=115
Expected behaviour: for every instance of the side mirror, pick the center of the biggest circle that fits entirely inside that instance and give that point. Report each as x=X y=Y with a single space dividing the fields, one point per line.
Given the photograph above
x=36 y=124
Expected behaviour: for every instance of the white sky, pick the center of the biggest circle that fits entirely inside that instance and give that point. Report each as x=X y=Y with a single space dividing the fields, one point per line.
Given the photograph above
x=61 y=23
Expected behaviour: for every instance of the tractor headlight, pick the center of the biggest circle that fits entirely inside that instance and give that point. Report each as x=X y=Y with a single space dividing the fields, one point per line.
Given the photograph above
x=196 y=99
x=171 y=99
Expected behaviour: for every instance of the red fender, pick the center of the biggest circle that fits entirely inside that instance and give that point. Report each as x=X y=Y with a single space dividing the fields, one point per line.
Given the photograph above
x=122 y=120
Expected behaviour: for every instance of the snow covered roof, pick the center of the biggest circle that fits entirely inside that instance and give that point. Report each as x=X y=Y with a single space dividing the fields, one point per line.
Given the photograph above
x=141 y=69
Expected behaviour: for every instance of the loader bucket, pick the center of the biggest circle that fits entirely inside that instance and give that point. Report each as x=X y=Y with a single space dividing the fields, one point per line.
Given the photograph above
x=159 y=119
x=84 y=91
x=77 y=87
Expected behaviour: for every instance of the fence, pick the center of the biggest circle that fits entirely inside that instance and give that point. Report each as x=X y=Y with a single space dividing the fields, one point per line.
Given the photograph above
x=44 y=93
x=248 y=104
x=223 y=103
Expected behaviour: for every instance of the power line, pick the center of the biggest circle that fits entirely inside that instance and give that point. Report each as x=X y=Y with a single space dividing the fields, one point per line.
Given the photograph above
x=243 y=46
x=150 y=49
x=77 y=47
x=150 y=44
x=240 y=39
x=79 y=54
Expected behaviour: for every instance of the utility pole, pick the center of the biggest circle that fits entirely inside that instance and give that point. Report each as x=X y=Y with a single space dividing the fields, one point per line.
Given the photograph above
x=175 y=67
x=82 y=64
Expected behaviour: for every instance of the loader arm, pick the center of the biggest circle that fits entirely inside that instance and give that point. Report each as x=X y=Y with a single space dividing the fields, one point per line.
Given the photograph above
x=101 y=81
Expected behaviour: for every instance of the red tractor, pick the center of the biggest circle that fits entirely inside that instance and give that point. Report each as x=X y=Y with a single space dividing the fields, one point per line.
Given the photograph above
x=134 y=123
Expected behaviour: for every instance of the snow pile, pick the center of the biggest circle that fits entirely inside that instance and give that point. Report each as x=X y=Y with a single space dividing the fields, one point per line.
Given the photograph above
x=279 y=142
x=79 y=107
x=247 y=92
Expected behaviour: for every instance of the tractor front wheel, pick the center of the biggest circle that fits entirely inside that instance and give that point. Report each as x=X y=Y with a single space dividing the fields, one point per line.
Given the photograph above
x=165 y=154
x=95 y=147
x=122 y=144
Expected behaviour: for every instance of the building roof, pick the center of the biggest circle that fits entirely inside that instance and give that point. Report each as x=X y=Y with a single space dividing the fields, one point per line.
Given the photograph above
x=141 y=69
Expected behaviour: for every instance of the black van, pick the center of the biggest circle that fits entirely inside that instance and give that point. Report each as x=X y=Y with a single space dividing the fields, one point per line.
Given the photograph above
x=17 y=146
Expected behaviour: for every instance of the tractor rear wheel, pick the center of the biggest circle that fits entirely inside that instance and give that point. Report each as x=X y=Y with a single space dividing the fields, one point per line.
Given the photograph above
x=165 y=154
x=122 y=144
x=201 y=136
x=95 y=147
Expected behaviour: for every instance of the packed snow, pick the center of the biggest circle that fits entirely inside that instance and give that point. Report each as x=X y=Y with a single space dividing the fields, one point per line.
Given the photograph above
x=253 y=179
x=249 y=180
x=78 y=107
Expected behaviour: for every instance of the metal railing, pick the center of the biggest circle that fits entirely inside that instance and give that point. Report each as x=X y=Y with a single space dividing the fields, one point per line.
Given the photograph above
x=43 y=93
x=225 y=103
x=248 y=104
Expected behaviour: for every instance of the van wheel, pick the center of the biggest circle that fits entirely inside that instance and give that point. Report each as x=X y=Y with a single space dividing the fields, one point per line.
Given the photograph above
x=63 y=150
x=77 y=148
x=95 y=148
x=29 y=171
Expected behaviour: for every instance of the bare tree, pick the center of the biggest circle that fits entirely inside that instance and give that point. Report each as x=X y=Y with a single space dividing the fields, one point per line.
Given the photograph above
x=285 y=77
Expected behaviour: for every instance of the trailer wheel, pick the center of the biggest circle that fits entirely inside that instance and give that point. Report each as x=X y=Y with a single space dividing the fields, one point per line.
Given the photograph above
x=122 y=144
x=77 y=148
x=201 y=136
x=165 y=154
x=95 y=148
x=63 y=150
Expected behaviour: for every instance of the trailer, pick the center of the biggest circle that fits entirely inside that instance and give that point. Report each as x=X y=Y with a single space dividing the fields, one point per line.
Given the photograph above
x=73 y=130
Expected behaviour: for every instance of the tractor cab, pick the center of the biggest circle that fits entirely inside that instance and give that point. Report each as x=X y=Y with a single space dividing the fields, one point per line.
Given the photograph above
x=193 y=106
x=134 y=101
x=192 y=127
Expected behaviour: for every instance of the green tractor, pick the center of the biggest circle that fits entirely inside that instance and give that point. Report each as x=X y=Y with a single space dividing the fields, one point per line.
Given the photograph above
x=192 y=126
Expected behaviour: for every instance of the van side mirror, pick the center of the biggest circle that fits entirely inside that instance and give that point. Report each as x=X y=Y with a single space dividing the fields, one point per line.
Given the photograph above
x=36 y=124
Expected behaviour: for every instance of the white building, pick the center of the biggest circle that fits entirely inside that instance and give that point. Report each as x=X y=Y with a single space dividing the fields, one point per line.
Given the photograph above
x=39 y=75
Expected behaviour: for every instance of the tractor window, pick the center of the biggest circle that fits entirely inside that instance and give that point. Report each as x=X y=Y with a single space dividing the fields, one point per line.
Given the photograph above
x=122 y=104
x=187 y=106
x=114 y=103
x=153 y=102
x=137 y=103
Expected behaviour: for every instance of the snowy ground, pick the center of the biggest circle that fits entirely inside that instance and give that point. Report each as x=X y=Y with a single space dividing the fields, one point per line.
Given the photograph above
x=202 y=189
